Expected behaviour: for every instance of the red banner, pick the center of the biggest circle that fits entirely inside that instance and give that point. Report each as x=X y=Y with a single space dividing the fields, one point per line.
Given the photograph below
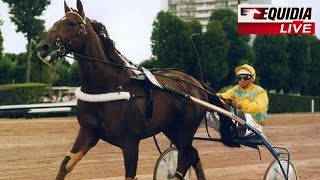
x=297 y=27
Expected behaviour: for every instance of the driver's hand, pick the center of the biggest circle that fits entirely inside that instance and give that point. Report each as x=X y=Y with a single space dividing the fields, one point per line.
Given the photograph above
x=236 y=104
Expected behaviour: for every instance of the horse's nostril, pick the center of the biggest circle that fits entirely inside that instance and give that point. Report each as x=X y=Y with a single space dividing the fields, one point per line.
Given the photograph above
x=43 y=48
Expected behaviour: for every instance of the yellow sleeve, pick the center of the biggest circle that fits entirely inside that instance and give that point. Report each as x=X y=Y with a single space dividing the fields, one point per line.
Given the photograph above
x=228 y=94
x=260 y=104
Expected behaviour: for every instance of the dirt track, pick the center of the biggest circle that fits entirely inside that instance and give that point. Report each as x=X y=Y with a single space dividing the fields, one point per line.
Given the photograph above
x=33 y=149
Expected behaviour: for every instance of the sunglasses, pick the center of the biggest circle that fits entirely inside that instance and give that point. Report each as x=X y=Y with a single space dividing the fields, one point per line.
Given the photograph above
x=245 y=77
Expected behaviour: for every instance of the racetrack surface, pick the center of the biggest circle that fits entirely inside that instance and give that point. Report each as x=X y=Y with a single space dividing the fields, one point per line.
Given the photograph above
x=32 y=149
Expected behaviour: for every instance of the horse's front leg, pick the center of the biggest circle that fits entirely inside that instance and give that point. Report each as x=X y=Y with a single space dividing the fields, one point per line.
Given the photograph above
x=85 y=140
x=130 y=154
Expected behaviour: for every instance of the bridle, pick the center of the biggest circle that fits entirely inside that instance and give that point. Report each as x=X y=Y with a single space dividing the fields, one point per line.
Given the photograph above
x=62 y=45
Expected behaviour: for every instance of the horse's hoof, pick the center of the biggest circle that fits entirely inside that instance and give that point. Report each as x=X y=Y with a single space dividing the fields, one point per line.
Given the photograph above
x=130 y=178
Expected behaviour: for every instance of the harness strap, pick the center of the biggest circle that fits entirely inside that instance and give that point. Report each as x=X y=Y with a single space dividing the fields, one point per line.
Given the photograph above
x=149 y=104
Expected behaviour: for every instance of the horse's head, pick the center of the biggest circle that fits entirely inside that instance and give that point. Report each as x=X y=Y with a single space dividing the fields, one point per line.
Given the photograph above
x=67 y=35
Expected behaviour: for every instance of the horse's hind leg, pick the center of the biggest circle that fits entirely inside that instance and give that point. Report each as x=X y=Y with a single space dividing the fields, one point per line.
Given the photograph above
x=84 y=141
x=191 y=156
x=196 y=163
x=188 y=155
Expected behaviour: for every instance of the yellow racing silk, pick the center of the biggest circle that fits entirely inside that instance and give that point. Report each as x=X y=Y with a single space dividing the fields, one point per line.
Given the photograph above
x=253 y=100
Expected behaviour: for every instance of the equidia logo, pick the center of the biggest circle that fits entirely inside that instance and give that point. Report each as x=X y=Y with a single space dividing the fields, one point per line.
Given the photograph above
x=271 y=19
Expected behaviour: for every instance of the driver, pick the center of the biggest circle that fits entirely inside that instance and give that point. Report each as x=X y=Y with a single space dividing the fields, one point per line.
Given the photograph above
x=248 y=97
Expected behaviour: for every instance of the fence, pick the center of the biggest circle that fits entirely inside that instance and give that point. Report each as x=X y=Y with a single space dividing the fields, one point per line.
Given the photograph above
x=38 y=110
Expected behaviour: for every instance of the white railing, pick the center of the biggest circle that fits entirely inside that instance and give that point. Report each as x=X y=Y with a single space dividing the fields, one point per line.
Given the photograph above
x=30 y=110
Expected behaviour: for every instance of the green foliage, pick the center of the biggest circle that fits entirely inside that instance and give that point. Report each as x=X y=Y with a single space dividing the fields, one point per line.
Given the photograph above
x=65 y=74
x=25 y=15
x=313 y=85
x=282 y=103
x=170 y=42
x=165 y=28
x=228 y=19
x=61 y=69
x=214 y=64
x=25 y=93
x=195 y=26
x=14 y=68
x=239 y=51
x=299 y=62
x=19 y=67
x=74 y=77
x=149 y=64
x=6 y=70
x=272 y=60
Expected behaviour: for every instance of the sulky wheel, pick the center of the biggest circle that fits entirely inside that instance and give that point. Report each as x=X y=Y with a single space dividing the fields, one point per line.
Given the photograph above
x=167 y=164
x=274 y=171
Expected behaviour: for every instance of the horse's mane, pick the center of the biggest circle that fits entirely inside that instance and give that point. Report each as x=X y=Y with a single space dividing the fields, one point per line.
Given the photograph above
x=109 y=45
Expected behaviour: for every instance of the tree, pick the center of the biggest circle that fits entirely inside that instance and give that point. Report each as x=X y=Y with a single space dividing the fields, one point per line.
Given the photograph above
x=215 y=67
x=25 y=15
x=6 y=69
x=167 y=32
x=171 y=43
x=18 y=67
x=74 y=76
x=148 y=63
x=313 y=85
x=299 y=62
x=272 y=61
x=61 y=70
x=239 y=50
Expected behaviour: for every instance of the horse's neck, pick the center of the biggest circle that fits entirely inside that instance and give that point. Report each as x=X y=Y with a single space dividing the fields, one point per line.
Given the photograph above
x=98 y=77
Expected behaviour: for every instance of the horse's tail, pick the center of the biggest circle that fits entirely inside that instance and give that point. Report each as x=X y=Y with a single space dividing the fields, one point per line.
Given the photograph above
x=227 y=127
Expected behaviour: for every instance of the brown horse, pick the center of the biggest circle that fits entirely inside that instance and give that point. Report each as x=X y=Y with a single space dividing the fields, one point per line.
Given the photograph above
x=124 y=121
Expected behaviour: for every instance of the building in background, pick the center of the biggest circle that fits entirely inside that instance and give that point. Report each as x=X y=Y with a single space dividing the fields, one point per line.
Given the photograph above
x=201 y=9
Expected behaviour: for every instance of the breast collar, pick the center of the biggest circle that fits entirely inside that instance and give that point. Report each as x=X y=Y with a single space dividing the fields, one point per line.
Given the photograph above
x=105 y=97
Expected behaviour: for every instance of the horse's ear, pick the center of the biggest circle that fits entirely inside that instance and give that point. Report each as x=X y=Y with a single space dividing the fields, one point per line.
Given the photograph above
x=80 y=8
x=66 y=7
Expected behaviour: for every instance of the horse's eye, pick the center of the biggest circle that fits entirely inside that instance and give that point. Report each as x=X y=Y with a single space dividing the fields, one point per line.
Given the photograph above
x=71 y=24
